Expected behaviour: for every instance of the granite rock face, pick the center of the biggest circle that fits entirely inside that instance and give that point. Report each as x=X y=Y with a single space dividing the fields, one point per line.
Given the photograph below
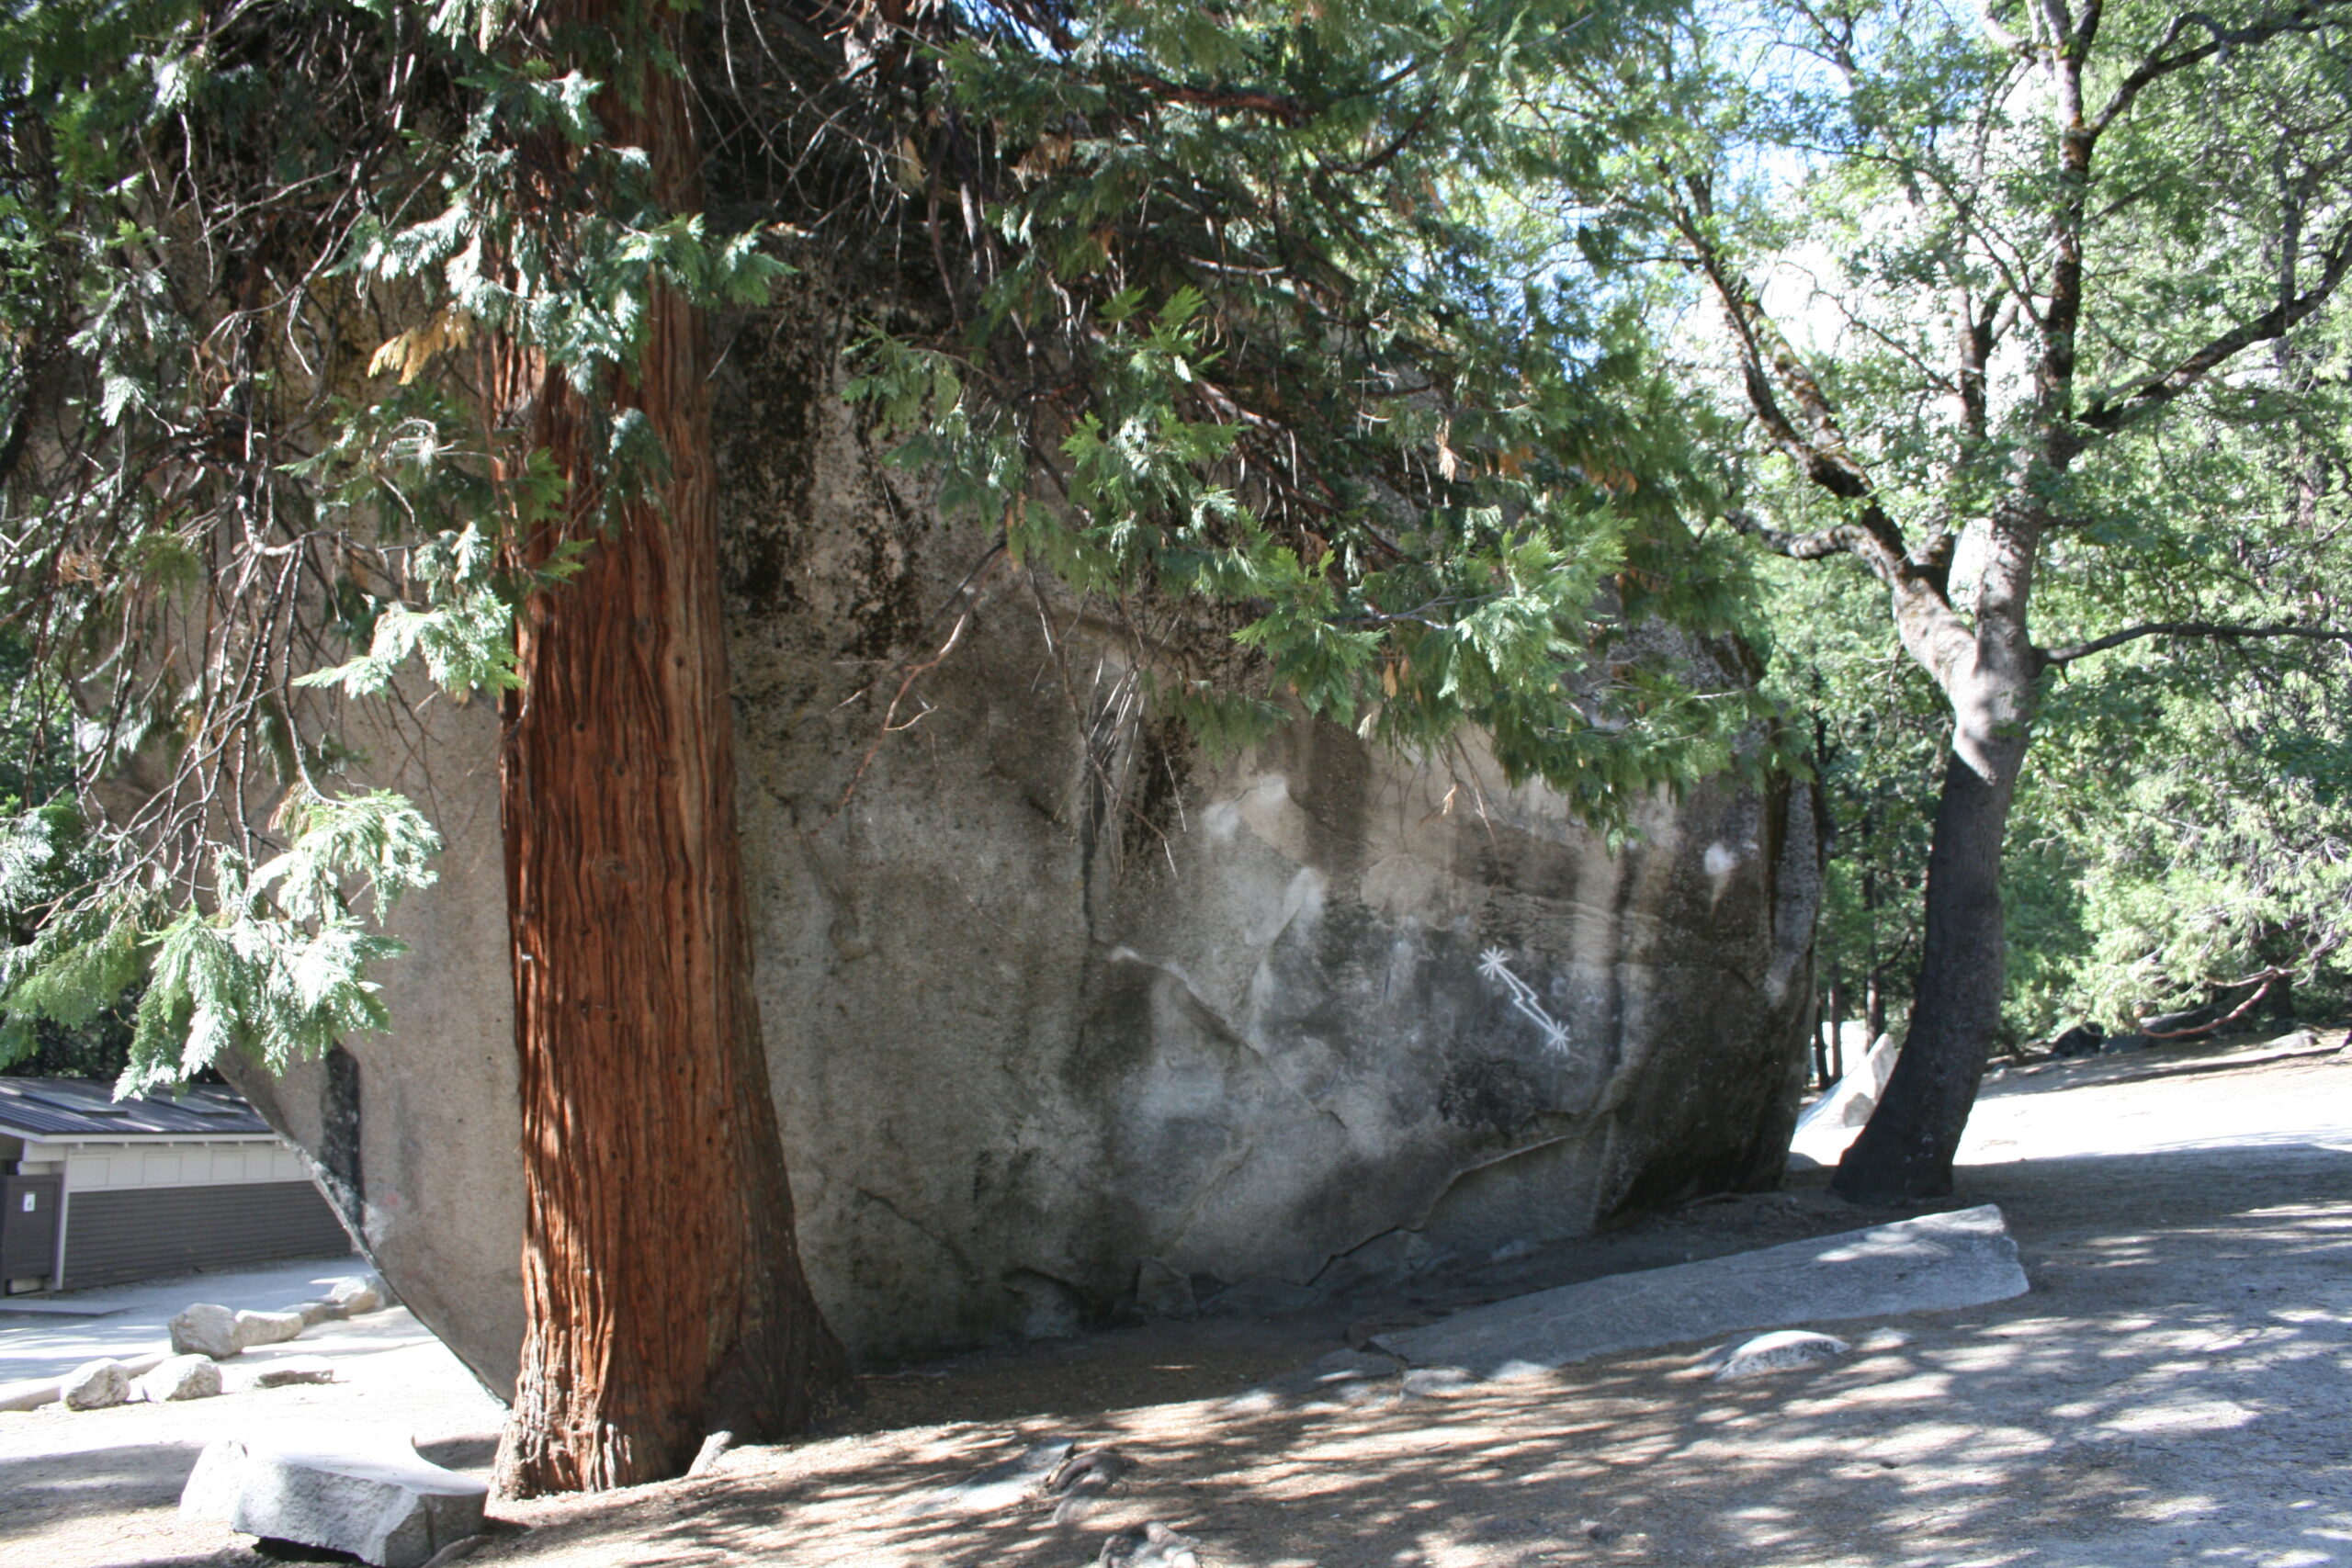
x=1069 y=1020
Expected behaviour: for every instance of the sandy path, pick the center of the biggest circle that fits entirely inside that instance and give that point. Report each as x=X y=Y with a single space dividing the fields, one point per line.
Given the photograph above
x=2176 y=1388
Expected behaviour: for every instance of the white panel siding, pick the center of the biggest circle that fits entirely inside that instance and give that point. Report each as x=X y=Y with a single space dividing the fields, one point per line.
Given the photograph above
x=105 y=1168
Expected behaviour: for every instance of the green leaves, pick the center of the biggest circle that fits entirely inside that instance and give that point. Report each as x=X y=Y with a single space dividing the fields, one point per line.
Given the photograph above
x=464 y=637
x=273 y=964
x=1270 y=332
x=273 y=282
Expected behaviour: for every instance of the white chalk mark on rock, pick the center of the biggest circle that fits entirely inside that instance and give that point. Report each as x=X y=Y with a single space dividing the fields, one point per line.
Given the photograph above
x=1495 y=965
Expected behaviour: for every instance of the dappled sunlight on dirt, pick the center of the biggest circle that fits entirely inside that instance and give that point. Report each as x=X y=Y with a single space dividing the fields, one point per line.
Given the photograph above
x=2172 y=1393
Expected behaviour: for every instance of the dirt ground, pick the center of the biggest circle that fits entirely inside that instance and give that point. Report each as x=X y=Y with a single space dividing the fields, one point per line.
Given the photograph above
x=2176 y=1388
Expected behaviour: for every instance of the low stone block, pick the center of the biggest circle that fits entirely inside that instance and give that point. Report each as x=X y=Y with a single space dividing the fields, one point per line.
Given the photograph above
x=205 y=1330
x=253 y=1328
x=318 y=1312
x=95 y=1385
x=294 y=1369
x=373 y=1497
x=1782 y=1351
x=1930 y=1263
x=181 y=1377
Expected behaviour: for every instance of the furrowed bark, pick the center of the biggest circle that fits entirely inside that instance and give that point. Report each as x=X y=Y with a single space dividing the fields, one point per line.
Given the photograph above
x=662 y=1280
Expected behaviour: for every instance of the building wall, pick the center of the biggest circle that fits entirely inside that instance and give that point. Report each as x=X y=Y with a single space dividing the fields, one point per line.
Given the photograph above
x=115 y=1168
x=120 y=1234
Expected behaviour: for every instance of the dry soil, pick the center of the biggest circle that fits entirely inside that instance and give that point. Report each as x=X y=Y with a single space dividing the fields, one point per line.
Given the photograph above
x=2176 y=1388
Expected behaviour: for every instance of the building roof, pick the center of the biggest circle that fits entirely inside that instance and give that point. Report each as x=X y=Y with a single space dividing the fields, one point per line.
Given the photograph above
x=66 y=1109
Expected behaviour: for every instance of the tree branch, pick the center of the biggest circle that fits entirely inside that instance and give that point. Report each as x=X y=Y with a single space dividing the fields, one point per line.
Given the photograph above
x=1279 y=107
x=1846 y=538
x=2156 y=390
x=2158 y=65
x=2189 y=628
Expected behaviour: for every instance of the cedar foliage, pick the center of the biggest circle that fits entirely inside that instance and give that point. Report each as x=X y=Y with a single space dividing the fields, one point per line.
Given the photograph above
x=1212 y=307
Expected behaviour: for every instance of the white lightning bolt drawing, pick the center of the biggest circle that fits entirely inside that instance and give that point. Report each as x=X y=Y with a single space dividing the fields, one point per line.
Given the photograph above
x=1495 y=965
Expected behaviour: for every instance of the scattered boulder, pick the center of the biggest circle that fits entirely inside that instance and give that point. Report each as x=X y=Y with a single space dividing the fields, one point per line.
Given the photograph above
x=294 y=1369
x=253 y=1328
x=373 y=1497
x=317 y=1311
x=1087 y=1470
x=1935 y=1261
x=2083 y=1039
x=1082 y=1481
x=714 y=1448
x=1780 y=1352
x=357 y=1295
x=2130 y=1040
x=95 y=1385
x=181 y=1377
x=1004 y=1484
x=205 y=1330
x=1151 y=1545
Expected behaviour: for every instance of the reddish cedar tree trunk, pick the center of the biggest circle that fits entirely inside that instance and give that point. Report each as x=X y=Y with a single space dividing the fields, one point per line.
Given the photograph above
x=660 y=1276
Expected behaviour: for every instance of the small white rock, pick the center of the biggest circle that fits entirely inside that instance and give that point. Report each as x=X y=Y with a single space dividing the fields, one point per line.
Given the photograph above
x=205 y=1330
x=95 y=1385
x=315 y=1313
x=181 y=1377
x=1777 y=1352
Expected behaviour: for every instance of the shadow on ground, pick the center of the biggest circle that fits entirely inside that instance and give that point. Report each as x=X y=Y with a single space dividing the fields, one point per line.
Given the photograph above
x=2172 y=1390
x=34 y=1495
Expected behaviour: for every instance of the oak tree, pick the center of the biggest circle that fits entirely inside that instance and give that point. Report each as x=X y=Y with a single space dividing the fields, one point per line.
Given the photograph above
x=1969 y=271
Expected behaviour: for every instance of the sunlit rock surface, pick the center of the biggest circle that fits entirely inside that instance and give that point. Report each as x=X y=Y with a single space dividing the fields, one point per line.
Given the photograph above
x=1066 y=1020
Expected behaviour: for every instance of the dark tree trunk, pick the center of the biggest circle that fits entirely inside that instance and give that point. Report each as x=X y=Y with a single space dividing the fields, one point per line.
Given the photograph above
x=662 y=1280
x=1874 y=1001
x=1906 y=1149
x=1833 y=1058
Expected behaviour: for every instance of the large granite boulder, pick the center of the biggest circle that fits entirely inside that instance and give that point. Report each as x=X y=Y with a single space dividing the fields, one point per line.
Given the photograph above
x=1069 y=1020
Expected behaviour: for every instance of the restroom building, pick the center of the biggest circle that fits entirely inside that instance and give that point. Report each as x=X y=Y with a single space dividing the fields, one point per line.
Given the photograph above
x=95 y=1190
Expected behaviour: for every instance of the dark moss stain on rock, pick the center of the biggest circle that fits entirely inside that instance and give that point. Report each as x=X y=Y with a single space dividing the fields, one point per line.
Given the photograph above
x=766 y=425
x=889 y=612
x=1492 y=1095
x=1154 y=795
